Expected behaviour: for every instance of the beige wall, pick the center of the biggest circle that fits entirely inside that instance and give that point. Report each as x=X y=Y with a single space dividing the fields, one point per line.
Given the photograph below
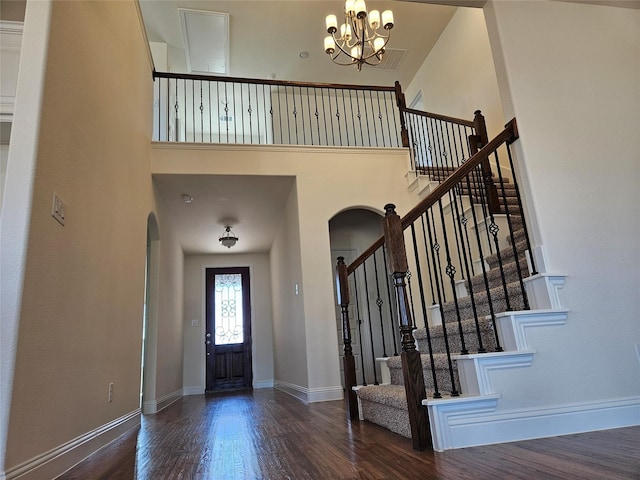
x=570 y=74
x=289 y=329
x=72 y=319
x=304 y=324
x=458 y=76
x=194 y=309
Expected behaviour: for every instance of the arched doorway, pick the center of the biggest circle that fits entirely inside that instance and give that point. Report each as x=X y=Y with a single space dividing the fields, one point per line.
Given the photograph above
x=150 y=320
x=351 y=232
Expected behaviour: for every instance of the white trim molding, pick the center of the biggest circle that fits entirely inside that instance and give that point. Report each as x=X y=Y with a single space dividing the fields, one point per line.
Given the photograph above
x=53 y=463
x=310 y=395
x=512 y=326
x=472 y=422
x=154 y=406
x=474 y=369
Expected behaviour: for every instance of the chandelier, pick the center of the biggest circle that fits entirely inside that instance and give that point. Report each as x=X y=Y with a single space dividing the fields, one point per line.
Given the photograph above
x=360 y=38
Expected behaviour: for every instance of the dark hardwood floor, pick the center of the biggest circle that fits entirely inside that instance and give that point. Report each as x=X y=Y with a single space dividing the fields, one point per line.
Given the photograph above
x=268 y=435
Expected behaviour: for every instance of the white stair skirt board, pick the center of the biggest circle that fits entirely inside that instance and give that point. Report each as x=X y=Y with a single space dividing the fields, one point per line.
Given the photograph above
x=55 y=462
x=474 y=369
x=470 y=422
x=310 y=395
x=512 y=326
x=543 y=290
x=421 y=184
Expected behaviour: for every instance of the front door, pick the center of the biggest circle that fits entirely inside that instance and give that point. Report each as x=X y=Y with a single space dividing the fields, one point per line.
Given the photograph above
x=228 y=335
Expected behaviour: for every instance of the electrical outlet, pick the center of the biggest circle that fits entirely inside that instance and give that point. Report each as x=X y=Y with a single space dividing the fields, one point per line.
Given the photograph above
x=110 y=399
x=58 y=209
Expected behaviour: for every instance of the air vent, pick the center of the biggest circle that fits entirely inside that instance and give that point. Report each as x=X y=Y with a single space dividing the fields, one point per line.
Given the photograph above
x=390 y=60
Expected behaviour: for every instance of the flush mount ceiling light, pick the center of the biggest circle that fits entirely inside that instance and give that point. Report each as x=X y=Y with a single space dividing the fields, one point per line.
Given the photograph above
x=359 y=39
x=228 y=238
x=186 y=198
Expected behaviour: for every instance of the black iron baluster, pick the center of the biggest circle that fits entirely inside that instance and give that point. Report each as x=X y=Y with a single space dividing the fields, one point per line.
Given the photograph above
x=280 y=113
x=465 y=264
x=375 y=130
x=450 y=270
x=366 y=116
x=353 y=120
x=338 y=117
x=210 y=113
x=484 y=269
x=359 y=119
x=441 y=300
x=431 y=264
x=324 y=117
x=379 y=303
x=235 y=117
x=218 y=101
x=333 y=132
x=317 y=115
x=423 y=305
x=344 y=108
x=355 y=288
x=295 y=112
x=373 y=354
x=201 y=115
x=390 y=302
x=436 y=249
x=249 y=111
x=310 y=125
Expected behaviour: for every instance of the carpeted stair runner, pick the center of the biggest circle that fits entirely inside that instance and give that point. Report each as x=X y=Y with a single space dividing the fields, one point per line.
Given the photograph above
x=386 y=405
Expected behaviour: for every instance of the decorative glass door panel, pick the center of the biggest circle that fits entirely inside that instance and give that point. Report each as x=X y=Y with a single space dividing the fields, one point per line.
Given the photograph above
x=229 y=327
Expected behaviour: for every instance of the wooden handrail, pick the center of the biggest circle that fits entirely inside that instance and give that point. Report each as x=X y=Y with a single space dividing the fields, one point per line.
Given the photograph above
x=277 y=83
x=437 y=116
x=508 y=135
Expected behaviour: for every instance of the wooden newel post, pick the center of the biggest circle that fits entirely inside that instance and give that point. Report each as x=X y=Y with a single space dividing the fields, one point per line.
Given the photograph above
x=476 y=142
x=402 y=104
x=342 y=288
x=411 y=363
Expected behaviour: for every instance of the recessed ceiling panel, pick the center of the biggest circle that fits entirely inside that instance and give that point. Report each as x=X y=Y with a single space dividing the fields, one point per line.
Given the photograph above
x=206 y=40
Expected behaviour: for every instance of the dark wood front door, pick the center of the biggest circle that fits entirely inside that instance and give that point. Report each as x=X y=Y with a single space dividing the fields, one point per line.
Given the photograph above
x=228 y=335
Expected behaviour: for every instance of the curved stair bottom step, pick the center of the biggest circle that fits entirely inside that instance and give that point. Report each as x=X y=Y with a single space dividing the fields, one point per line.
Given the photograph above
x=385 y=405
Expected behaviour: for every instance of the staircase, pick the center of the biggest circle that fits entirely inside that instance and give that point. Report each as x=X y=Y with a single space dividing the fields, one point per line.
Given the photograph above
x=480 y=329
x=386 y=404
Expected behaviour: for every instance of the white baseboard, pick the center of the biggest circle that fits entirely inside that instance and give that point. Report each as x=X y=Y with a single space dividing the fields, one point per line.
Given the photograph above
x=458 y=426
x=55 y=462
x=154 y=406
x=199 y=390
x=310 y=395
x=263 y=384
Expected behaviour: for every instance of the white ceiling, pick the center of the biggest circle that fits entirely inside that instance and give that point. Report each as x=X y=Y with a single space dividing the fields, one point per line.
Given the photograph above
x=251 y=205
x=266 y=38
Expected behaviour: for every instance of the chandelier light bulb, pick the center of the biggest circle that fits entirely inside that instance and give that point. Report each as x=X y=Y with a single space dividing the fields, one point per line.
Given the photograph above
x=374 y=19
x=332 y=23
x=387 y=19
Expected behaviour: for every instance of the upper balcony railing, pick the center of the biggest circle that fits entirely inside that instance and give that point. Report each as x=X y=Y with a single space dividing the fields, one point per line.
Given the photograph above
x=209 y=109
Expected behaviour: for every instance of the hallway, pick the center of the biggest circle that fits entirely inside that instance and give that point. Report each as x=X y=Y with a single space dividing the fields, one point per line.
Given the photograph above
x=267 y=434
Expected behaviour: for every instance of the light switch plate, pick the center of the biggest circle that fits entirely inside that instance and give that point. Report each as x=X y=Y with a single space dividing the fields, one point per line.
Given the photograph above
x=58 y=209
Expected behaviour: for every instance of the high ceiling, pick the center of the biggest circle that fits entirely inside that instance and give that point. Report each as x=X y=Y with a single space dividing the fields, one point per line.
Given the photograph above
x=267 y=37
